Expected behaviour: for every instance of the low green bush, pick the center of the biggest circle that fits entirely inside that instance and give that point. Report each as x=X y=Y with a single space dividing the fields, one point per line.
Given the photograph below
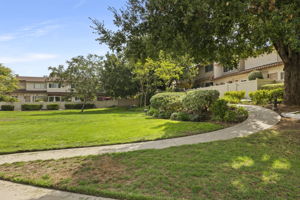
x=234 y=96
x=167 y=102
x=235 y=114
x=7 y=107
x=79 y=106
x=199 y=101
x=183 y=116
x=255 y=75
x=52 y=107
x=272 y=86
x=219 y=109
x=260 y=97
x=26 y=107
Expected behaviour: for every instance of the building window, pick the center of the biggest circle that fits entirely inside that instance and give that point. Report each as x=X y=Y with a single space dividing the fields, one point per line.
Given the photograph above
x=54 y=85
x=209 y=68
x=281 y=75
x=39 y=98
x=54 y=99
x=27 y=98
x=39 y=86
x=243 y=80
x=273 y=76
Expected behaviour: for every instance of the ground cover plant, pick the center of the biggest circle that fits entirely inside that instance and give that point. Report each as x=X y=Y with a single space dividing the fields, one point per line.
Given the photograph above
x=36 y=130
x=262 y=166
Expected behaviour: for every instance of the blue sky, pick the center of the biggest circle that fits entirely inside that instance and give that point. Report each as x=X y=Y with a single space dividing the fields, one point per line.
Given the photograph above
x=36 y=34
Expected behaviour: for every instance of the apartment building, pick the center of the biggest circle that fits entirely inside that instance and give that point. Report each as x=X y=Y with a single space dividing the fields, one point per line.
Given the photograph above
x=40 y=89
x=270 y=65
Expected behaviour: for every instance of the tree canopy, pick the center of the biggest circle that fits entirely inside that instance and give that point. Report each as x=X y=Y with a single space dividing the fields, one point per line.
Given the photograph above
x=210 y=31
x=8 y=84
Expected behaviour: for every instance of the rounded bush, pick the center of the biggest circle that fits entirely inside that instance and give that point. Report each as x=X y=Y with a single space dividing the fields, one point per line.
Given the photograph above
x=167 y=102
x=183 y=116
x=236 y=114
x=198 y=101
x=255 y=75
x=219 y=109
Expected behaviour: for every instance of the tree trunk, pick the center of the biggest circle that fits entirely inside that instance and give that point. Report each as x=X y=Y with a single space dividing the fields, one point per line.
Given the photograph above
x=83 y=105
x=292 y=83
x=291 y=60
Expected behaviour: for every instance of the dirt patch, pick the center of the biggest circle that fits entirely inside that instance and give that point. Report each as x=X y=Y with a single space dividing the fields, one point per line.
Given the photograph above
x=287 y=124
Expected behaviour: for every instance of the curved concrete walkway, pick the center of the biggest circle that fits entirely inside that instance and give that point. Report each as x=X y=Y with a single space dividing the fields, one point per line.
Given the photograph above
x=259 y=119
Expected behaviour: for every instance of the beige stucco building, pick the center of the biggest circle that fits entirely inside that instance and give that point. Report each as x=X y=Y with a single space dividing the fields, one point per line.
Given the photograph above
x=270 y=65
x=40 y=89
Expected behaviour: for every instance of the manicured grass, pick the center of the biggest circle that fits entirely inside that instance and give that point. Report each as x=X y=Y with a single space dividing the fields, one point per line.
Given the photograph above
x=37 y=130
x=263 y=166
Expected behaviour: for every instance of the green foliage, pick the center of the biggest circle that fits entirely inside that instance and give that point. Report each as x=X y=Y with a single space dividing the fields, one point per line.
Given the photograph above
x=8 y=84
x=219 y=109
x=234 y=96
x=259 y=97
x=79 y=106
x=117 y=77
x=235 y=114
x=52 y=107
x=180 y=116
x=83 y=74
x=262 y=97
x=199 y=101
x=167 y=102
x=26 y=107
x=255 y=75
x=272 y=86
x=7 y=107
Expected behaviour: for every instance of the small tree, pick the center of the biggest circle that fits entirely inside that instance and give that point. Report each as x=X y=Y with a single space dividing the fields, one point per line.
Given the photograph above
x=82 y=74
x=8 y=84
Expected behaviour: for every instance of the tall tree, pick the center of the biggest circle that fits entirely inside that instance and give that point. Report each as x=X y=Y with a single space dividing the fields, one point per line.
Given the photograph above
x=8 y=84
x=82 y=74
x=223 y=31
x=117 y=77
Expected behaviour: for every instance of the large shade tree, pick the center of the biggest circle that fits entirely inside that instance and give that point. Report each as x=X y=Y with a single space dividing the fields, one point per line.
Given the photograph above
x=223 y=31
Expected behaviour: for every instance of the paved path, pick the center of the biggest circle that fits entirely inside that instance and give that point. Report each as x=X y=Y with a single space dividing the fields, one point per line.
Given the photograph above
x=259 y=119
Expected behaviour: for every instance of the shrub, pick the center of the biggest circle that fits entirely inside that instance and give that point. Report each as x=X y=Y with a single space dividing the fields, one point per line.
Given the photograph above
x=219 y=109
x=231 y=99
x=236 y=94
x=255 y=75
x=164 y=115
x=260 y=97
x=167 y=102
x=183 y=116
x=52 y=107
x=79 y=106
x=276 y=96
x=199 y=101
x=25 y=107
x=152 y=111
x=236 y=114
x=7 y=107
x=272 y=86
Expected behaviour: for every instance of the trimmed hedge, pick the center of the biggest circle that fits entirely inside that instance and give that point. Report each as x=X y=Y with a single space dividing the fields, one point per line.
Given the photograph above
x=79 y=106
x=255 y=75
x=7 y=107
x=25 y=107
x=234 y=96
x=262 y=97
x=236 y=114
x=167 y=102
x=52 y=107
x=272 y=86
x=199 y=101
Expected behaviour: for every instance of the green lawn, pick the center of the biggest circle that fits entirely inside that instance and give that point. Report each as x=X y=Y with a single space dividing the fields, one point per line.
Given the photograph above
x=262 y=166
x=37 y=130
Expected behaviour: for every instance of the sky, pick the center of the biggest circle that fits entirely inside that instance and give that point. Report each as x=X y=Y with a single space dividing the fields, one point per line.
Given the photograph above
x=36 y=34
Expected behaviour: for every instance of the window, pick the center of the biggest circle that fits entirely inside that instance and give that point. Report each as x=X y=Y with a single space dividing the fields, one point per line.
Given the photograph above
x=27 y=98
x=54 y=85
x=209 y=68
x=243 y=80
x=39 y=86
x=273 y=76
x=281 y=75
x=39 y=98
x=54 y=99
